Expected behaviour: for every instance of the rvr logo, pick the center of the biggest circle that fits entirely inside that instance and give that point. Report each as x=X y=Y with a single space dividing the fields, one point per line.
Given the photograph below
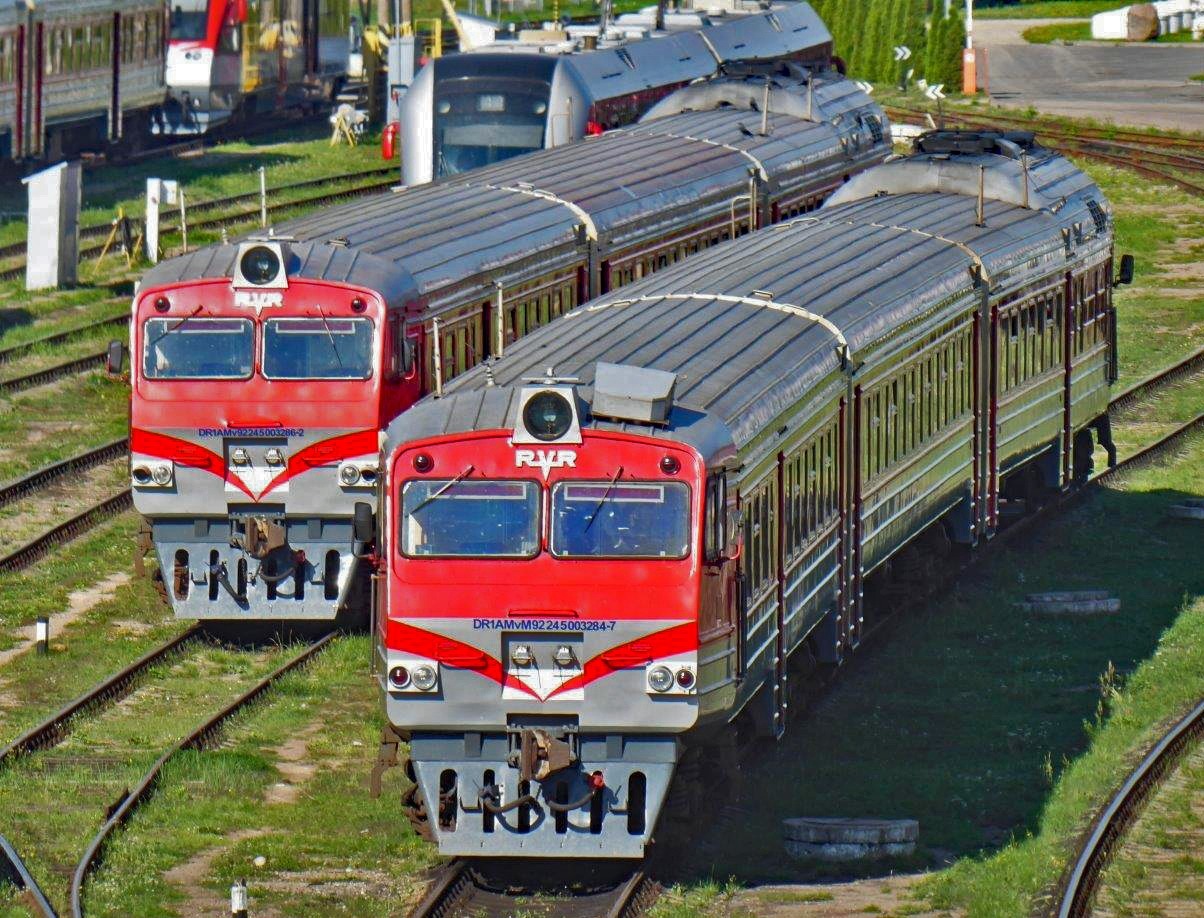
x=258 y=299
x=545 y=459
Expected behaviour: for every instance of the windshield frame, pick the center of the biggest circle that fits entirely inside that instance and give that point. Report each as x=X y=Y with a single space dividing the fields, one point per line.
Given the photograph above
x=183 y=321
x=529 y=484
x=262 y=327
x=618 y=484
x=195 y=11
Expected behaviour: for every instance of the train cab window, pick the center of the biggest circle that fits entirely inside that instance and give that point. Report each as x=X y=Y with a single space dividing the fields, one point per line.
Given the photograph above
x=470 y=519
x=402 y=349
x=601 y=519
x=483 y=120
x=317 y=348
x=715 y=537
x=197 y=348
x=189 y=19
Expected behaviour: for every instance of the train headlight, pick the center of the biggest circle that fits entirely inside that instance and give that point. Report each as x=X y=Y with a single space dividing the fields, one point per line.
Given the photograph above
x=349 y=474
x=685 y=678
x=660 y=679
x=275 y=456
x=240 y=457
x=399 y=677
x=521 y=655
x=547 y=416
x=424 y=677
x=161 y=474
x=259 y=265
x=564 y=656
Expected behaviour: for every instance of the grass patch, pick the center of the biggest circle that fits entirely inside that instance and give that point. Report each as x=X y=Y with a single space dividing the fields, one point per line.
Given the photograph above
x=1197 y=77
x=1057 y=31
x=1045 y=9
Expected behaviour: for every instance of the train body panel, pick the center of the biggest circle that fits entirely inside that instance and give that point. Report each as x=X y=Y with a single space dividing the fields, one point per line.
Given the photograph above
x=470 y=110
x=846 y=381
x=482 y=262
x=76 y=76
x=232 y=58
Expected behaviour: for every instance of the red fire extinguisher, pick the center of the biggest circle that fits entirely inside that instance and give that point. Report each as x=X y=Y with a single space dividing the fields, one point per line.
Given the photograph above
x=388 y=140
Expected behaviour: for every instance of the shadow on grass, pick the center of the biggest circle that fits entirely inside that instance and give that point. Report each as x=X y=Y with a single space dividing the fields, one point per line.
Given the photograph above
x=962 y=714
x=11 y=317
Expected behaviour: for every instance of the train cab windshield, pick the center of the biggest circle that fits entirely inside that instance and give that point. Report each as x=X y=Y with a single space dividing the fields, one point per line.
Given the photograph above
x=198 y=348
x=189 y=20
x=608 y=520
x=483 y=519
x=479 y=122
x=317 y=348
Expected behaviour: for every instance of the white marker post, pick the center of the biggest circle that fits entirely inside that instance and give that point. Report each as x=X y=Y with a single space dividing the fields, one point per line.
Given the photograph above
x=41 y=633
x=159 y=193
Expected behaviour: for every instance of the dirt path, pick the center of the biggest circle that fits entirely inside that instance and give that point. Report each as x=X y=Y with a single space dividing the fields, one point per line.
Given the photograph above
x=878 y=896
x=79 y=603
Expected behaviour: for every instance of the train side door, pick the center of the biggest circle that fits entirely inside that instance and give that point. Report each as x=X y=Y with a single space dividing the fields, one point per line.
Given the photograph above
x=403 y=376
x=719 y=597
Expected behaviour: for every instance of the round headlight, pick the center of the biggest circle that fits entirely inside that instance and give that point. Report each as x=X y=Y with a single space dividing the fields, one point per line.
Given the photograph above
x=563 y=655
x=349 y=474
x=275 y=456
x=521 y=655
x=547 y=416
x=685 y=678
x=259 y=265
x=161 y=474
x=240 y=457
x=399 y=677
x=444 y=107
x=141 y=474
x=424 y=677
x=660 y=678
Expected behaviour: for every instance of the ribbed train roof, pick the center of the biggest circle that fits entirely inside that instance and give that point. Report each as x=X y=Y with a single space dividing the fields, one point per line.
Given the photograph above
x=739 y=366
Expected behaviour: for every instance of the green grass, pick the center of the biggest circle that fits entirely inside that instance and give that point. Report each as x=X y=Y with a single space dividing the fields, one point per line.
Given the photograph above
x=1045 y=9
x=1197 y=77
x=1057 y=31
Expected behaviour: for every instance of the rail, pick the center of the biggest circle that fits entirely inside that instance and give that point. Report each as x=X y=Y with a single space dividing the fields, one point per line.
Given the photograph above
x=49 y=474
x=41 y=546
x=14 y=870
x=199 y=739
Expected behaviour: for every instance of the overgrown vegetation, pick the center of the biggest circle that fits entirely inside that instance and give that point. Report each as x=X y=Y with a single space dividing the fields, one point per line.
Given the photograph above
x=866 y=37
x=1044 y=9
x=1057 y=31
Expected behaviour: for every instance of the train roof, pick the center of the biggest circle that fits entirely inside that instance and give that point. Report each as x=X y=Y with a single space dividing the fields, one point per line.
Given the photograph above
x=751 y=327
x=439 y=233
x=306 y=259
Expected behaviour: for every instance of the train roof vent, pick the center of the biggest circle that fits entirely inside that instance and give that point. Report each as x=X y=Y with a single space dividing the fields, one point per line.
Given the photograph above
x=1005 y=143
x=630 y=393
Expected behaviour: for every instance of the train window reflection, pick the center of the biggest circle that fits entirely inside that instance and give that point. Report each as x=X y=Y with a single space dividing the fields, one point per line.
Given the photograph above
x=195 y=348
x=481 y=519
x=189 y=20
x=321 y=348
x=608 y=520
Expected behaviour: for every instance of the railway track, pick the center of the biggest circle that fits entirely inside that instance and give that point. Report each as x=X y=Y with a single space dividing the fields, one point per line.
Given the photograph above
x=1123 y=149
x=18 y=351
x=459 y=890
x=38 y=548
x=198 y=740
x=101 y=232
x=1081 y=886
x=14 y=871
x=55 y=472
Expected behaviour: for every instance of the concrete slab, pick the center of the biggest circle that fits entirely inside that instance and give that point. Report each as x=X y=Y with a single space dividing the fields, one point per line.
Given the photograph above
x=1140 y=84
x=841 y=839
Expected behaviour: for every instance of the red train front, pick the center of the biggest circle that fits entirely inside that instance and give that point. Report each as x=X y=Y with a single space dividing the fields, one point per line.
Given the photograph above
x=261 y=375
x=575 y=652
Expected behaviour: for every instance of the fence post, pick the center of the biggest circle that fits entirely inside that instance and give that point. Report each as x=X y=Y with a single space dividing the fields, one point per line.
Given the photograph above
x=263 y=198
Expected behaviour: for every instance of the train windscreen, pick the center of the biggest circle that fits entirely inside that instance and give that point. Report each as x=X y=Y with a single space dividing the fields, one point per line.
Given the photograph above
x=599 y=519
x=472 y=519
x=197 y=348
x=189 y=20
x=317 y=348
x=480 y=121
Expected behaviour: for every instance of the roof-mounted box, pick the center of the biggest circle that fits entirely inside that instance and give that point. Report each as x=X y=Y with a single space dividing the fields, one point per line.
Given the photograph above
x=633 y=393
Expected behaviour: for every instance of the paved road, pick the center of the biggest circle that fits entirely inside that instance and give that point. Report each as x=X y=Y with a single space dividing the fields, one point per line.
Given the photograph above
x=1140 y=84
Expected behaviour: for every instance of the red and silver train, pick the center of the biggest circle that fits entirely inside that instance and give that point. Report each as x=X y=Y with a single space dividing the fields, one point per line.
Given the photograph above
x=263 y=372
x=80 y=75
x=236 y=58
x=469 y=110
x=606 y=549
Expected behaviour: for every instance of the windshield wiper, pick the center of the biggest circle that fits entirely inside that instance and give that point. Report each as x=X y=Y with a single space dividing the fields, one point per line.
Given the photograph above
x=330 y=336
x=605 y=494
x=159 y=337
x=455 y=481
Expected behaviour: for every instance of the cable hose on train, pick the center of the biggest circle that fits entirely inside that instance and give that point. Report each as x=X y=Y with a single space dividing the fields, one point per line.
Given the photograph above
x=487 y=799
